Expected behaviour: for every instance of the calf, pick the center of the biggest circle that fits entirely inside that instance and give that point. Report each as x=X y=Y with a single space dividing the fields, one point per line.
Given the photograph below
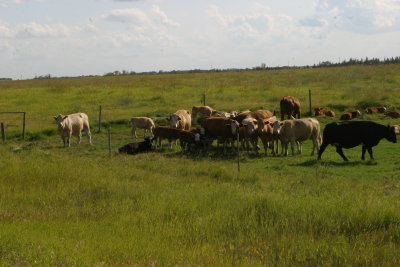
x=350 y=115
x=375 y=110
x=269 y=134
x=353 y=133
x=73 y=124
x=324 y=112
x=298 y=131
x=162 y=133
x=135 y=148
x=392 y=114
x=202 y=111
x=220 y=128
x=189 y=139
x=142 y=123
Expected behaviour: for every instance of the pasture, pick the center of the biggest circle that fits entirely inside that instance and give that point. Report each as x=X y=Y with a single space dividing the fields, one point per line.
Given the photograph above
x=80 y=207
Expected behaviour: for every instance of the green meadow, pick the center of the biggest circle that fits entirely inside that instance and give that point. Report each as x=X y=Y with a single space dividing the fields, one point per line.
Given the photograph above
x=80 y=206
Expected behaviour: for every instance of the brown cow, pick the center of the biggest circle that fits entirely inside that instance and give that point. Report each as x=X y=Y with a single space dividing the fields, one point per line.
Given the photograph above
x=392 y=114
x=290 y=106
x=224 y=129
x=375 y=110
x=324 y=112
x=350 y=115
x=161 y=132
x=268 y=133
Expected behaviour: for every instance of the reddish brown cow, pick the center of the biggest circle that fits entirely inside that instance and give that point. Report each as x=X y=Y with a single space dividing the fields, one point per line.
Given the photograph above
x=375 y=110
x=290 y=106
x=324 y=112
x=350 y=115
x=224 y=129
x=162 y=132
x=392 y=114
x=346 y=116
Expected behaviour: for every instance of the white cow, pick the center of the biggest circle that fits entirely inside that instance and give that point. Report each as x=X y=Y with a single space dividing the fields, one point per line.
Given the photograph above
x=73 y=124
x=142 y=123
x=180 y=120
x=298 y=131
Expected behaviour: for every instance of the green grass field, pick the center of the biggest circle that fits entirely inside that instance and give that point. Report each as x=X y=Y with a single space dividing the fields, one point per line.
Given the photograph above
x=80 y=207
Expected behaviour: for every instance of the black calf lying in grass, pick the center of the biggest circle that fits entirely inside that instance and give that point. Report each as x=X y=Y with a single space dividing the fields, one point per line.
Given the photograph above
x=135 y=148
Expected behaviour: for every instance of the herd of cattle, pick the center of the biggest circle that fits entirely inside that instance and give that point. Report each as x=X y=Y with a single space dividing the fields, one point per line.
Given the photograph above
x=247 y=127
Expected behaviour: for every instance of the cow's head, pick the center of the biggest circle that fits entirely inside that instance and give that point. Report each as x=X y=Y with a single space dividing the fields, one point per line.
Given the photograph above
x=251 y=125
x=60 y=119
x=174 y=120
x=234 y=126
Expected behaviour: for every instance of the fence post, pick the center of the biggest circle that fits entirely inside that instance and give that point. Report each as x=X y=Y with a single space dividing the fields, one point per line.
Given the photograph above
x=204 y=99
x=3 y=135
x=109 y=141
x=309 y=100
x=23 y=126
x=238 y=153
x=99 y=119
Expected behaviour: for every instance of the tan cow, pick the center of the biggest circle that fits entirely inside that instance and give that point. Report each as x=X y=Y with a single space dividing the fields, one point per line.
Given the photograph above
x=202 y=111
x=73 y=124
x=180 y=120
x=142 y=123
x=268 y=131
x=300 y=130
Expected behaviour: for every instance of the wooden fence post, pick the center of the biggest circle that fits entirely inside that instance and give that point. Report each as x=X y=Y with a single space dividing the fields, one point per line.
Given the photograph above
x=3 y=135
x=309 y=100
x=23 y=126
x=99 y=119
x=238 y=153
x=109 y=141
x=204 y=99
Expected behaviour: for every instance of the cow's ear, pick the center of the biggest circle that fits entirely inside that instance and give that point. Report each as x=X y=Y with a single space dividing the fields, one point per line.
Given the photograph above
x=168 y=118
x=55 y=117
x=280 y=124
x=65 y=117
x=179 y=118
x=266 y=122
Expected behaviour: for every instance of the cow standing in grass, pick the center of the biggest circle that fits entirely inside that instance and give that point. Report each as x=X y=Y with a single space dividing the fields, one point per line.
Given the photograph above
x=353 y=133
x=142 y=123
x=73 y=124
x=290 y=106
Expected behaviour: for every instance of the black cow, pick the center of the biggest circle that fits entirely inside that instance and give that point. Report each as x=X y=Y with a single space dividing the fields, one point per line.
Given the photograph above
x=135 y=148
x=353 y=133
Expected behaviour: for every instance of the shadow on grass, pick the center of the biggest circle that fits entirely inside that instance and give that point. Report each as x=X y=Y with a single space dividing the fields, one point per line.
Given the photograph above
x=314 y=162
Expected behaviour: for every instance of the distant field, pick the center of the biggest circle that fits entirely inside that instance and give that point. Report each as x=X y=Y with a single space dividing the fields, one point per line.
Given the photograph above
x=80 y=207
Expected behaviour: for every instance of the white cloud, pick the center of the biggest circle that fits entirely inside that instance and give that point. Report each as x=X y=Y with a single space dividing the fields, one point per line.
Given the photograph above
x=34 y=29
x=366 y=16
x=163 y=18
x=130 y=16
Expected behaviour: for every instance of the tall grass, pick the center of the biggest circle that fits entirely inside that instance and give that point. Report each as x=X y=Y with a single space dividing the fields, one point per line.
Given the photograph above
x=80 y=207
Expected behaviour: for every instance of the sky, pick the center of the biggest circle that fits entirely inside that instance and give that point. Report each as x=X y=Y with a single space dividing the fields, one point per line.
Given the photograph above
x=93 y=37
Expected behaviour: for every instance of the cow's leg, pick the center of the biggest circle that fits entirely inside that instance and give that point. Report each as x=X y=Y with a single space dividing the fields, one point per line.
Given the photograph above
x=370 y=152
x=322 y=149
x=64 y=141
x=315 y=146
x=299 y=147
x=144 y=134
x=89 y=135
x=339 y=150
x=364 y=148
x=292 y=146
x=133 y=131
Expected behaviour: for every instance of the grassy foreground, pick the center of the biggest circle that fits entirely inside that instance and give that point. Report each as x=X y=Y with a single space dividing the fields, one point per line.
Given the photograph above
x=80 y=207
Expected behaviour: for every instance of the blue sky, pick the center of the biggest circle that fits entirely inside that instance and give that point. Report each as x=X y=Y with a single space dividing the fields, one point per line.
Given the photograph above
x=70 y=38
